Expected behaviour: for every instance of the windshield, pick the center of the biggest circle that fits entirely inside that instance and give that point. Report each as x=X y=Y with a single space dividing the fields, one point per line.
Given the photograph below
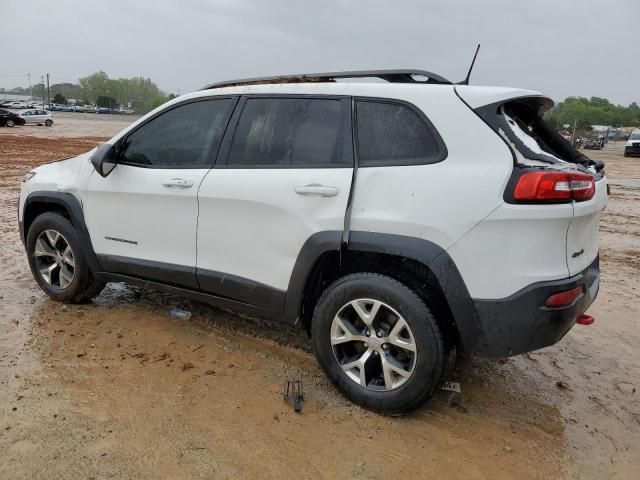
x=635 y=136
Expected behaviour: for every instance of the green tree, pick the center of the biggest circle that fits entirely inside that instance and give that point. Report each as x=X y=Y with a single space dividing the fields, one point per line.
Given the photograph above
x=59 y=98
x=593 y=111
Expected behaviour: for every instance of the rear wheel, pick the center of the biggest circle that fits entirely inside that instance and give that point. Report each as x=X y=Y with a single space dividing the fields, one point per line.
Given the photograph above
x=48 y=123
x=10 y=123
x=57 y=260
x=378 y=342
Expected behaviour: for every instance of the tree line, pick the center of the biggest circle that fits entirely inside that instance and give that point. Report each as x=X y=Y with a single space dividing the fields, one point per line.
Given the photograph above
x=584 y=112
x=138 y=93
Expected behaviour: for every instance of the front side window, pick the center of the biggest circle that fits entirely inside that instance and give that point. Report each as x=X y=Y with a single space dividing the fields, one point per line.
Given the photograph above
x=282 y=132
x=186 y=136
x=394 y=134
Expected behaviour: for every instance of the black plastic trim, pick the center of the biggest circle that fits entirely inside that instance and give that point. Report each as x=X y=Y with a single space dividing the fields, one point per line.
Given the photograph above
x=315 y=246
x=392 y=76
x=521 y=323
x=438 y=261
x=208 y=298
x=167 y=273
x=241 y=289
x=73 y=207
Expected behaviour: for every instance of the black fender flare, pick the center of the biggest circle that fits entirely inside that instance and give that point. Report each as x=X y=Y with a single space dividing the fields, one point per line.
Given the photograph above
x=73 y=207
x=429 y=254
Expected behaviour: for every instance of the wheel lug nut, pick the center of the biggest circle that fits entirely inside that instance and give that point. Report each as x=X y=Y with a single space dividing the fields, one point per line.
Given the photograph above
x=375 y=352
x=366 y=345
x=367 y=332
x=379 y=334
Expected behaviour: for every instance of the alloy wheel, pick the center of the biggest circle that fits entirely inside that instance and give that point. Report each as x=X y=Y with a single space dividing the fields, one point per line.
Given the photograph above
x=373 y=344
x=55 y=260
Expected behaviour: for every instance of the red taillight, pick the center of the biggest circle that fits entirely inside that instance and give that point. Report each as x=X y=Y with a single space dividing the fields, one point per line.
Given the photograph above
x=550 y=186
x=564 y=299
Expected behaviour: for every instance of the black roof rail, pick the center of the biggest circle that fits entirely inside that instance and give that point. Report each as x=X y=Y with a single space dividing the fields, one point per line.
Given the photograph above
x=392 y=76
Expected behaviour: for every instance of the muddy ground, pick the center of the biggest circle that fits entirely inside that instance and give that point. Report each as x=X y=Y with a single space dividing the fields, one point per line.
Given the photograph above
x=119 y=389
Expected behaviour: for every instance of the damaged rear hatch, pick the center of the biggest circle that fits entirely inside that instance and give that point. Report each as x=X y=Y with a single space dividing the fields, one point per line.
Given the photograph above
x=517 y=116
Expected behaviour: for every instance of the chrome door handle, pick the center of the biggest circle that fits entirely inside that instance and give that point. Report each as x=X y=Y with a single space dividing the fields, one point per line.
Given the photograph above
x=317 y=189
x=178 y=182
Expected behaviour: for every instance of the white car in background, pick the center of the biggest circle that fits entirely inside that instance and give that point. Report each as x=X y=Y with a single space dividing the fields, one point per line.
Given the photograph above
x=38 y=117
x=16 y=105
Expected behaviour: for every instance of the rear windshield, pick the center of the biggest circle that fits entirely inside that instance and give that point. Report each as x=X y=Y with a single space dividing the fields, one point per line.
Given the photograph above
x=533 y=141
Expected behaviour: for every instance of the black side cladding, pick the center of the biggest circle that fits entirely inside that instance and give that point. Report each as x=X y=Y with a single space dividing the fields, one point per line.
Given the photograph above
x=70 y=204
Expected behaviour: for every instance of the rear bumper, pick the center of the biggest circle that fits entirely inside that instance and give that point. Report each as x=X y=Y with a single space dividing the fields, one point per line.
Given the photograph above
x=521 y=323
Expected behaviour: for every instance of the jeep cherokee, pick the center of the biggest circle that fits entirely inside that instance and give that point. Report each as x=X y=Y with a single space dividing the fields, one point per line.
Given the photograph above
x=396 y=221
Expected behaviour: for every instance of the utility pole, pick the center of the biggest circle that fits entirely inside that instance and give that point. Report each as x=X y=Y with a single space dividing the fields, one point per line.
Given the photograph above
x=48 y=92
x=42 y=78
x=30 y=88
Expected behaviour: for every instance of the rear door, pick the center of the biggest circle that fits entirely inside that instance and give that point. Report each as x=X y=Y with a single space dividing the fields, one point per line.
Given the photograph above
x=284 y=174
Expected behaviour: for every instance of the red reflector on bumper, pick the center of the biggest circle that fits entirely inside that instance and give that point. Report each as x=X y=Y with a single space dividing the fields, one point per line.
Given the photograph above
x=585 y=320
x=564 y=299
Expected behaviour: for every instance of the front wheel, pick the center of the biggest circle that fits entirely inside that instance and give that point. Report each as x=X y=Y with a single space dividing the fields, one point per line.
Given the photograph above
x=48 y=123
x=57 y=260
x=378 y=342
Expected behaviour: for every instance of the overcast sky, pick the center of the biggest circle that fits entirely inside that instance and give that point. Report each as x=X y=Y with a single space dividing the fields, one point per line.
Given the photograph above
x=559 y=47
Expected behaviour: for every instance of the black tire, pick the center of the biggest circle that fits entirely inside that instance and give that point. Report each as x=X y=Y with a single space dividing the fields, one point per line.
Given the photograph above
x=429 y=363
x=9 y=123
x=83 y=286
x=48 y=123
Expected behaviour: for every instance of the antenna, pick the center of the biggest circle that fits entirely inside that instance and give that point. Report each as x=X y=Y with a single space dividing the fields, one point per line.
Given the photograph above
x=466 y=80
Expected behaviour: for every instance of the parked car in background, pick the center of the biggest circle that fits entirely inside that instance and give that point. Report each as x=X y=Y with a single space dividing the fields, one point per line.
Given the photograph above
x=633 y=144
x=595 y=144
x=37 y=117
x=77 y=108
x=10 y=119
x=90 y=109
x=105 y=110
x=16 y=105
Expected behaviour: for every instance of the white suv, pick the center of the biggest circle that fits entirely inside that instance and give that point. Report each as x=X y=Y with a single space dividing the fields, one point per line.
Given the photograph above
x=396 y=222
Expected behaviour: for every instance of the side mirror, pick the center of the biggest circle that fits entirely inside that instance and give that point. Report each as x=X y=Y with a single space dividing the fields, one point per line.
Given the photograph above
x=104 y=159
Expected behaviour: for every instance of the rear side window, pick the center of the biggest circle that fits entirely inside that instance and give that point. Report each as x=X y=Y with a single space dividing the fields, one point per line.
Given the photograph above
x=186 y=136
x=395 y=134
x=300 y=132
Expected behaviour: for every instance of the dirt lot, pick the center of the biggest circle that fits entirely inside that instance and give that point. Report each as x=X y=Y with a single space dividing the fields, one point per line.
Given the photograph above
x=119 y=389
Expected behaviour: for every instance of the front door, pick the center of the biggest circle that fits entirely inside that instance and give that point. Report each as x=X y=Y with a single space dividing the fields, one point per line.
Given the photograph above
x=143 y=216
x=283 y=174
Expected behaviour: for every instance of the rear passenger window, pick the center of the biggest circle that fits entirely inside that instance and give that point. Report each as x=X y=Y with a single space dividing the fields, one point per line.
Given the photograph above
x=394 y=134
x=301 y=132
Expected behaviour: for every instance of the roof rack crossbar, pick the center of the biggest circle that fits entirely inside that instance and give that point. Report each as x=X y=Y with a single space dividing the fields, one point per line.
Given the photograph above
x=392 y=76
